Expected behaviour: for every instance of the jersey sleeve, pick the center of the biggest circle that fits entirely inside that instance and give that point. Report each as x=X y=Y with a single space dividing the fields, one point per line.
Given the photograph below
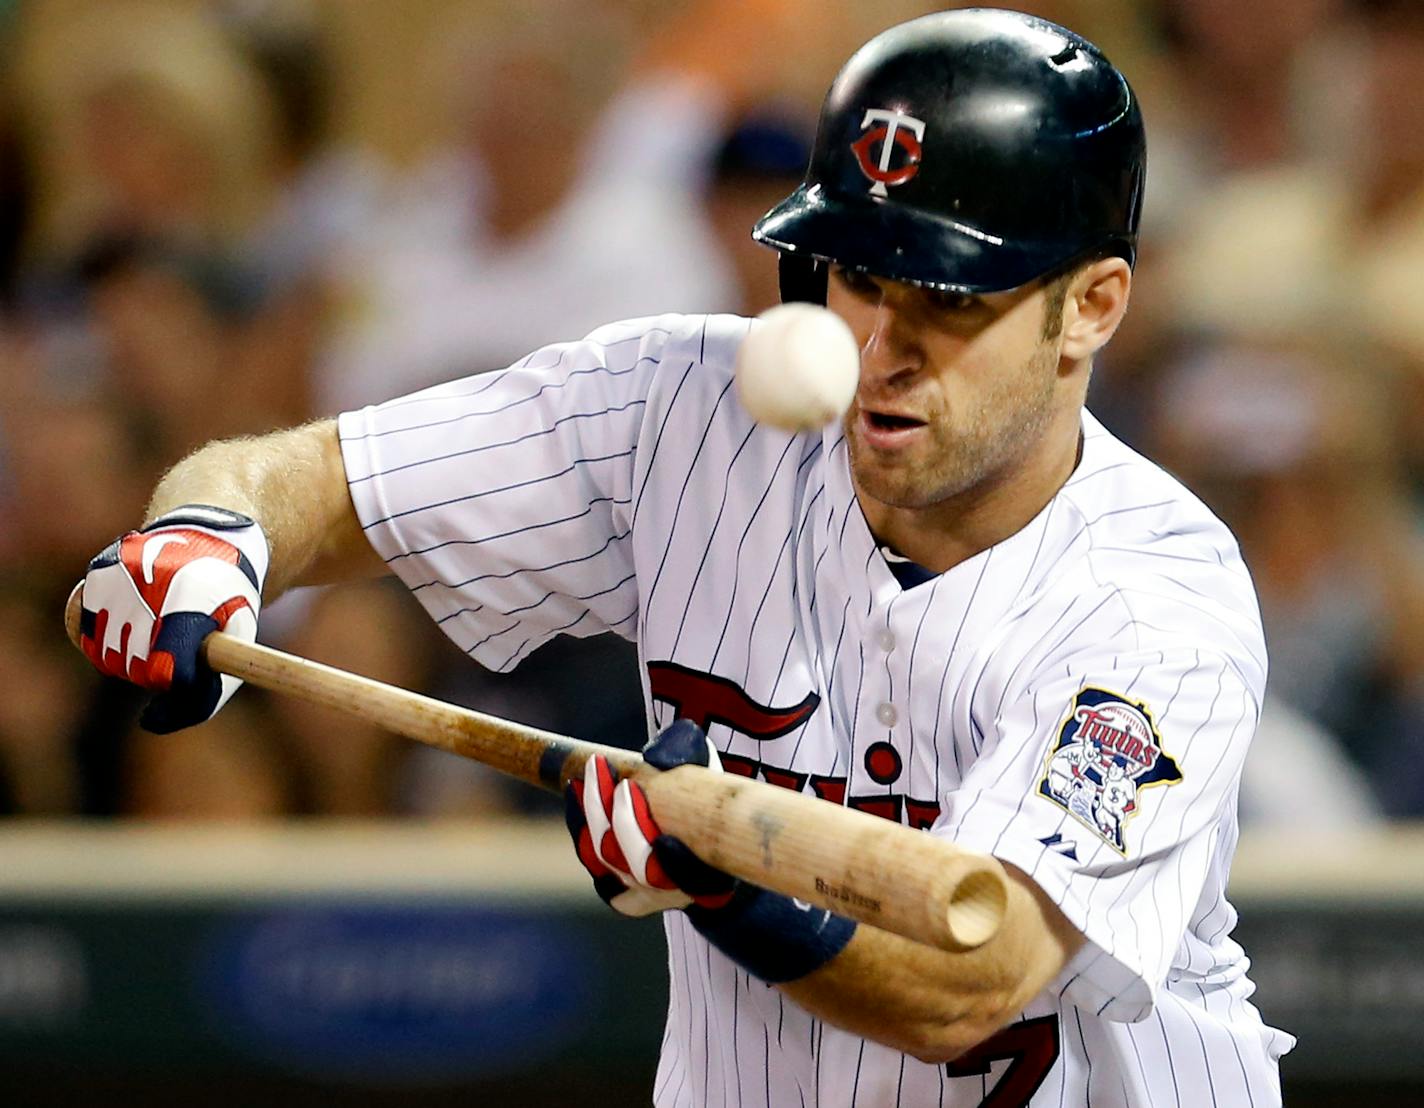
x=1108 y=781
x=503 y=500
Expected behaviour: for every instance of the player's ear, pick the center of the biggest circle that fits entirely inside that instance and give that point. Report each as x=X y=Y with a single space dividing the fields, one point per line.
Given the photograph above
x=1094 y=306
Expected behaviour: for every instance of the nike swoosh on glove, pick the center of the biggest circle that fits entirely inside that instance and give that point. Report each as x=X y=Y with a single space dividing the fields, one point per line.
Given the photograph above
x=636 y=869
x=152 y=596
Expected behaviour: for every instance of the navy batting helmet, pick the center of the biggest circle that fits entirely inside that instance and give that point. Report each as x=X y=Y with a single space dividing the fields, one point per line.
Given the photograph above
x=970 y=151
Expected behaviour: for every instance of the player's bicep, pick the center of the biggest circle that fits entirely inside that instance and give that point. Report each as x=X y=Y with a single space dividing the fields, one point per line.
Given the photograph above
x=504 y=501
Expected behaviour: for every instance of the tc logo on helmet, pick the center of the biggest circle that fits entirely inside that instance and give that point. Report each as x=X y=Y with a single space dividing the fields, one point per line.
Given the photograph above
x=896 y=129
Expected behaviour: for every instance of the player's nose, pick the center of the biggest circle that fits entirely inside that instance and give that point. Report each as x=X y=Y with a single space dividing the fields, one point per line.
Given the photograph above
x=890 y=349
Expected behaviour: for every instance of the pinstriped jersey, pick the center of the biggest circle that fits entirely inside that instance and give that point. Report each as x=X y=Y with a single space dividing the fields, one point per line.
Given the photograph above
x=1076 y=700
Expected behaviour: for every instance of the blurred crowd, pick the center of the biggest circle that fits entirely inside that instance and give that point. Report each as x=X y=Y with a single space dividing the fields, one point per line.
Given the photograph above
x=219 y=217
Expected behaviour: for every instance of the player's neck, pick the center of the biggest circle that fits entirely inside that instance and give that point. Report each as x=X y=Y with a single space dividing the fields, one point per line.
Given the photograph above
x=953 y=531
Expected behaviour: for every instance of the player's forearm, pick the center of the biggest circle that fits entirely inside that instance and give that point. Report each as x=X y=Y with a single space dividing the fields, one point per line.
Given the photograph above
x=291 y=482
x=932 y=1004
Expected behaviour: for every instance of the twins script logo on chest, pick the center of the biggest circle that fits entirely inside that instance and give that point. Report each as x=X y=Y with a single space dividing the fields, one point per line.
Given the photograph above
x=1106 y=750
x=707 y=698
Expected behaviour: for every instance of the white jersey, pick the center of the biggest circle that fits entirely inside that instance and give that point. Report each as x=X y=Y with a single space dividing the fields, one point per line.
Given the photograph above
x=1076 y=700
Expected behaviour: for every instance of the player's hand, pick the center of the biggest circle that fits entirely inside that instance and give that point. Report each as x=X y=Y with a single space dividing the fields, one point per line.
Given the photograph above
x=152 y=596
x=637 y=869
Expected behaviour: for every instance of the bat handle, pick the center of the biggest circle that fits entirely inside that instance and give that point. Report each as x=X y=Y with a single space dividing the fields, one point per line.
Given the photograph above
x=73 y=612
x=540 y=758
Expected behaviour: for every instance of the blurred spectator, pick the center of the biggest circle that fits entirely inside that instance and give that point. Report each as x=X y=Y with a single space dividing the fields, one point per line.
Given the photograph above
x=75 y=475
x=1387 y=274
x=226 y=769
x=343 y=766
x=40 y=709
x=1293 y=451
x=1247 y=75
x=176 y=131
x=156 y=238
x=760 y=161
x=1293 y=757
x=191 y=339
x=15 y=193
x=181 y=342
x=167 y=319
x=1241 y=190
x=544 y=216
x=326 y=193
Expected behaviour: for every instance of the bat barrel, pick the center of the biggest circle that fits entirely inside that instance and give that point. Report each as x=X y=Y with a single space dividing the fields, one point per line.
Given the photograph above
x=915 y=884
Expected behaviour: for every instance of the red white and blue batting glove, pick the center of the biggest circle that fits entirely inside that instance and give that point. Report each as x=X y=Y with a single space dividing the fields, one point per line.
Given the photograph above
x=637 y=869
x=152 y=597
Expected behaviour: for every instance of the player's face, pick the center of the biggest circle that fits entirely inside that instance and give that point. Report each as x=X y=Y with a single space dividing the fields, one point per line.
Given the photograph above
x=955 y=391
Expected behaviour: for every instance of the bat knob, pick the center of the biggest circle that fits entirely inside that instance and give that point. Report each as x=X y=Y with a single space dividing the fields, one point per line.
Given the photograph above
x=73 y=612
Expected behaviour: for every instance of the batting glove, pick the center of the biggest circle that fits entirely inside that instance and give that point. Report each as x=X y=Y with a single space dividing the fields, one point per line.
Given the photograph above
x=153 y=596
x=637 y=869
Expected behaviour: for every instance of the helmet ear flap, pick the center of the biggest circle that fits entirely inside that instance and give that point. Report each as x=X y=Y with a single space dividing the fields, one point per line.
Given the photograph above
x=802 y=279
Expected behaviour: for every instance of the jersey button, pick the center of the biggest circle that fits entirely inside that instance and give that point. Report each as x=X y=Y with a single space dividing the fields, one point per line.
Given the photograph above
x=885 y=639
x=887 y=714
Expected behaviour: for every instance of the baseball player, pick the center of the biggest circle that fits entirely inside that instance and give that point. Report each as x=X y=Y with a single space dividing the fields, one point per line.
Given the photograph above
x=965 y=607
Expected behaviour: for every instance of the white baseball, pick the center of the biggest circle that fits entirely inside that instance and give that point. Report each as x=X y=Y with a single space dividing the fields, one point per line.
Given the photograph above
x=798 y=367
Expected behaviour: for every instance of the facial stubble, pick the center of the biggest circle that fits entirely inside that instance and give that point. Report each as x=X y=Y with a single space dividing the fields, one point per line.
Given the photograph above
x=970 y=450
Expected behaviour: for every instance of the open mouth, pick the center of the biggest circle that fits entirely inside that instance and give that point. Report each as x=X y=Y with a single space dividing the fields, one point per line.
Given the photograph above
x=881 y=421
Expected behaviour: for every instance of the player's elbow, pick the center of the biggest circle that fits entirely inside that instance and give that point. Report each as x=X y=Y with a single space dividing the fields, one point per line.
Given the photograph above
x=937 y=1041
x=937 y=1045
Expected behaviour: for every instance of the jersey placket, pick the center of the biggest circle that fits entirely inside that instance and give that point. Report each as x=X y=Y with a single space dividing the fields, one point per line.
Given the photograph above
x=876 y=759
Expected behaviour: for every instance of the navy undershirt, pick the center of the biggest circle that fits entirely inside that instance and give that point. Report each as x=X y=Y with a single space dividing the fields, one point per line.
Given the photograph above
x=908 y=573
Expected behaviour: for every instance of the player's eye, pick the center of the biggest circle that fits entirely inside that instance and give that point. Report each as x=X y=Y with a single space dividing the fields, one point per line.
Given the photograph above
x=952 y=301
x=856 y=281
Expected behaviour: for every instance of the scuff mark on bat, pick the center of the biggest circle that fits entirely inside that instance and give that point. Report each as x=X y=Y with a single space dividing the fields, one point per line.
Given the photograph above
x=769 y=827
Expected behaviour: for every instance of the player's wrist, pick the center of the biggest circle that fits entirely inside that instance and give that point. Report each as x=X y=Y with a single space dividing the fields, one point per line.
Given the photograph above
x=772 y=936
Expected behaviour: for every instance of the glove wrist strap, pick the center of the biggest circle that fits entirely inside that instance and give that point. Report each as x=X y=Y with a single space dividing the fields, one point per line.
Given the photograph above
x=201 y=515
x=772 y=936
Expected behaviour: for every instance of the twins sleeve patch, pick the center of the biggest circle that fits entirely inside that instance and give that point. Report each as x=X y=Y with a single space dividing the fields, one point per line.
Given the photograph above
x=1106 y=750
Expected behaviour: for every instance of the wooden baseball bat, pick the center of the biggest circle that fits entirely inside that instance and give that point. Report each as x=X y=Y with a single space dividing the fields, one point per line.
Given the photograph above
x=855 y=864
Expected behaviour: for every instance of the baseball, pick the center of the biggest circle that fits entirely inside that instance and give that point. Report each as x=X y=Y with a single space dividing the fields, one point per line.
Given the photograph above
x=798 y=367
